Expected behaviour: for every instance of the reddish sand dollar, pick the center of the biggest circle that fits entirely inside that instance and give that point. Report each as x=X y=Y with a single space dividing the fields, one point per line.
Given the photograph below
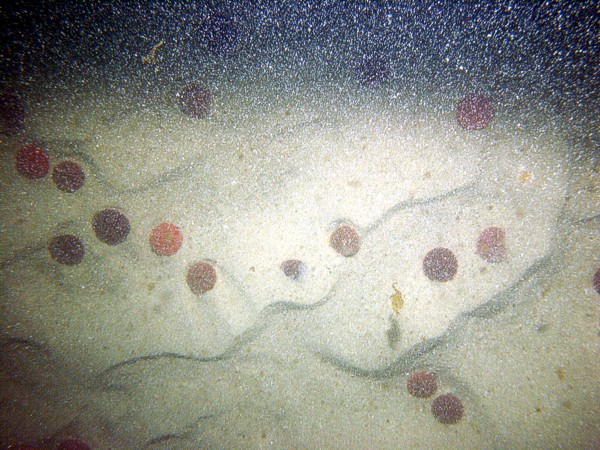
x=475 y=112
x=166 y=239
x=201 y=277
x=33 y=162
x=491 y=244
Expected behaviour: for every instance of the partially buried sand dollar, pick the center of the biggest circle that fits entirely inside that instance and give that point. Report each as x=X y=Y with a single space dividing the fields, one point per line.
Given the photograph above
x=491 y=244
x=345 y=240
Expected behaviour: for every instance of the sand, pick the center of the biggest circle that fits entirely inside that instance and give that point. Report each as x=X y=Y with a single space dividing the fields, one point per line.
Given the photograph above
x=262 y=360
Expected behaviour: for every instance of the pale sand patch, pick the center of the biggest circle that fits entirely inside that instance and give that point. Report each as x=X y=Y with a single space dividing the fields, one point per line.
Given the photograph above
x=306 y=363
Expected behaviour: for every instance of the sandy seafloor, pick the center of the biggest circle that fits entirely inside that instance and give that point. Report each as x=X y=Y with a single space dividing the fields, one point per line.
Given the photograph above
x=119 y=352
